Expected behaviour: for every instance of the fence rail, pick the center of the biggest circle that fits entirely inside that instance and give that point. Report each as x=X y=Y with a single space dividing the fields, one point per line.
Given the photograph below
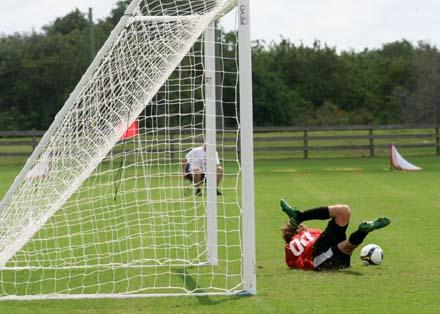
x=361 y=138
x=364 y=139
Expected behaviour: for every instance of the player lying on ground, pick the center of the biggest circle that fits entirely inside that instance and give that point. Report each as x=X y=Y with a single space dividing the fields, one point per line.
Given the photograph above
x=308 y=248
x=194 y=168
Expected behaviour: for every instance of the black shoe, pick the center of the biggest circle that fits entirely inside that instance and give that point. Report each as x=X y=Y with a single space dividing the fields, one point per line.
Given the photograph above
x=219 y=193
x=198 y=192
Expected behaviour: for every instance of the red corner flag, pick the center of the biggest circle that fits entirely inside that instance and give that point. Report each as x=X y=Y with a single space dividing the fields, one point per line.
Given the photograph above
x=132 y=131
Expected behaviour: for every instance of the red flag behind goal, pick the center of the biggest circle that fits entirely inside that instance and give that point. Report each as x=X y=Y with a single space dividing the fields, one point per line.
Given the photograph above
x=132 y=131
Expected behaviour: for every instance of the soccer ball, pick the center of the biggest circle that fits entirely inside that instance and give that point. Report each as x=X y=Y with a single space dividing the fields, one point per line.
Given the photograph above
x=372 y=254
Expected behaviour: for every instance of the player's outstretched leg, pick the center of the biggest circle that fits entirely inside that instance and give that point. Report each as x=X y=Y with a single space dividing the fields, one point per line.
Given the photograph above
x=296 y=216
x=365 y=228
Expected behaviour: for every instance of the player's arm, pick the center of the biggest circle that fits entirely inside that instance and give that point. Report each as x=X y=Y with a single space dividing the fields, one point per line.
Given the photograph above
x=294 y=262
x=307 y=264
x=298 y=262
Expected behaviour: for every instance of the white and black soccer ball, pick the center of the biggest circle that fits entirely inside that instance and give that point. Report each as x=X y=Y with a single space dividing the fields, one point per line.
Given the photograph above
x=372 y=254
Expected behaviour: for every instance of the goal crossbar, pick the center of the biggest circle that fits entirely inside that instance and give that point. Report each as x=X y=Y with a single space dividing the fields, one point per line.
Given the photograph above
x=223 y=10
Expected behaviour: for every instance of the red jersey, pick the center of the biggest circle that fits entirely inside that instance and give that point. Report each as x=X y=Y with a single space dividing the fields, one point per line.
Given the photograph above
x=299 y=251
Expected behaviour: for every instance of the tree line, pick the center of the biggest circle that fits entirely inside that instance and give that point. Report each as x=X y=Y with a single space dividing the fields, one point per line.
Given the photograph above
x=292 y=84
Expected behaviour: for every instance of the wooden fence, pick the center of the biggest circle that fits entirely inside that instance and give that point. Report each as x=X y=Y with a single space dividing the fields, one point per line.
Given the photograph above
x=358 y=138
x=13 y=139
x=299 y=141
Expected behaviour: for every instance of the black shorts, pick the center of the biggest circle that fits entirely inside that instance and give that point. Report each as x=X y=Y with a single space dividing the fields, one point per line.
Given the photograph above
x=326 y=254
x=189 y=176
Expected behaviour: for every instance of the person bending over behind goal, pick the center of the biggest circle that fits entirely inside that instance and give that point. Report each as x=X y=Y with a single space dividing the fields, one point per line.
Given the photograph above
x=194 y=168
x=308 y=248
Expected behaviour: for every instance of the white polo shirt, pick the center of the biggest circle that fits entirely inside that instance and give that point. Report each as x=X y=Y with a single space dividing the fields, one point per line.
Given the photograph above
x=197 y=159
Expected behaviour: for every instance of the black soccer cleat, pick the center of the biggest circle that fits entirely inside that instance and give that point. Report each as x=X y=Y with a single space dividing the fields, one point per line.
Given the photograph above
x=379 y=223
x=198 y=192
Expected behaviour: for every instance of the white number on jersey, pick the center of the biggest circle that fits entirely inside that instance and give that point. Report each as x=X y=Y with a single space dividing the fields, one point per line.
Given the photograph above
x=297 y=245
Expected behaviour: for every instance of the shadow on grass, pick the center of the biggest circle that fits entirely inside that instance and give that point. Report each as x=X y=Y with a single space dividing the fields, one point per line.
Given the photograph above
x=191 y=285
x=337 y=272
x=351 y=272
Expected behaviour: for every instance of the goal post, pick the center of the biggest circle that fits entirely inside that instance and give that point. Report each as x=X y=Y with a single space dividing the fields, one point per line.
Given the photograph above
x=97 y=214
x=247 y=148
x=211 y=137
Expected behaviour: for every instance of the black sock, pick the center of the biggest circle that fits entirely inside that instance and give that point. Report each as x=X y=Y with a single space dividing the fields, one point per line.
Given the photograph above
x=357 y=237
x=320 y=213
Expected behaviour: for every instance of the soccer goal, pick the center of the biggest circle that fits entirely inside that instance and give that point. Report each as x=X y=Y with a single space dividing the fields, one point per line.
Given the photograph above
x=101 y=208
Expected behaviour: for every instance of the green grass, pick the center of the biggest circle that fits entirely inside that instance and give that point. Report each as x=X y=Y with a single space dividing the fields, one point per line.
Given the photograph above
x=407 y=282
x=147 y=223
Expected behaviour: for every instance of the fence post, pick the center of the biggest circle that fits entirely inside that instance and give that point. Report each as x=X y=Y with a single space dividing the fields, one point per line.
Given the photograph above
x=171 y=146
x=34 y=140
x=370 y=133
x=437 y=139
x=306 y=144
x=238 y=147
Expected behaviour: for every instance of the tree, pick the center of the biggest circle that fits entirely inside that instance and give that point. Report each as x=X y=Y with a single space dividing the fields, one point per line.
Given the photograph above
x=39 y=70
x=293 y=84
x=423 y=105
x=275 y=103
x=118 y=11
x=74 y=21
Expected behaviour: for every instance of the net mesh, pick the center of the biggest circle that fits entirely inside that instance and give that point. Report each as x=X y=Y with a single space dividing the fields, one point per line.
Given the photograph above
x=105 y=212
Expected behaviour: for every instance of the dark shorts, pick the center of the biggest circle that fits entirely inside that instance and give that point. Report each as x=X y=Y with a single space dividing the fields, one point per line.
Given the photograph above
x=189 y=176
x=326 y=254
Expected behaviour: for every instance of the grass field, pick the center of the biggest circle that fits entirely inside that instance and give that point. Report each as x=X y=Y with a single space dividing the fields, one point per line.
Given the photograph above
x=407 y=282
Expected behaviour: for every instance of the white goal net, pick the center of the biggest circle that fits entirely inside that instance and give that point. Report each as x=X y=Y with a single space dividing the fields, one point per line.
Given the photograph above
x=102 y=208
